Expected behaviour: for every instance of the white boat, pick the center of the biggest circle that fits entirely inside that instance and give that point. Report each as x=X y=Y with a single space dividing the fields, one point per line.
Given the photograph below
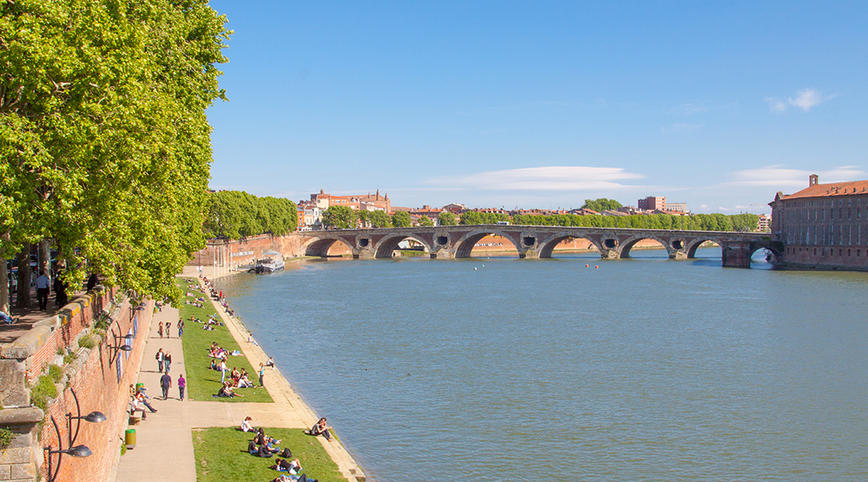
x=273 y=262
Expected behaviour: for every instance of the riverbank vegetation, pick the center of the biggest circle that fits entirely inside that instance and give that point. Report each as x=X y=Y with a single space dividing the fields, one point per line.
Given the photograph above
x=695 y=222
x=237 y=214
x=105 y=147
x=221 y=454
x=202 y=382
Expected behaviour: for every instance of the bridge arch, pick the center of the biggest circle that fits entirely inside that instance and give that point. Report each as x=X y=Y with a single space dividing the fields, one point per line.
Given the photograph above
x=320 y=246
x=548 y=248
x=627 y=245
x=464 y=246
x=697 y=243
x=389 y=244
x=775 y=253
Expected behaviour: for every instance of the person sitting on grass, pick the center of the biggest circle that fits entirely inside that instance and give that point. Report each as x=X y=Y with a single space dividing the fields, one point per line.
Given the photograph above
x=247 y=425
x=227 y=391
x=282 y=465
x=320 y=428
x=294 y=478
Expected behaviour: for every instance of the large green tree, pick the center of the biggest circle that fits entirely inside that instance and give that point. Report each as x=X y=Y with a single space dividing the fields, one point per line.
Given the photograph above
x=342 y=217
x=104 y=144
x=601 y=204
x=402 y=219
x=237 y=214
x=445 y=218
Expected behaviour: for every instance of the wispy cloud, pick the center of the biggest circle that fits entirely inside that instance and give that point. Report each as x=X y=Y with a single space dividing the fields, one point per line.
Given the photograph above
x=805 y=99
x=549 y=178
x=779 y=176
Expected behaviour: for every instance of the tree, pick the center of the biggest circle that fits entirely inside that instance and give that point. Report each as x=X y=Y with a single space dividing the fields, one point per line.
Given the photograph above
x=602 y=204
x=445 y=218
x=425 y=221
x=402 y=219
x=104 y=143
x=237 y=214
x=342 y=217
x=380 y=219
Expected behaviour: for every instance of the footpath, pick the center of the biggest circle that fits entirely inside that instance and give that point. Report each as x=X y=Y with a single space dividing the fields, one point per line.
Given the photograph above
x=164 y=448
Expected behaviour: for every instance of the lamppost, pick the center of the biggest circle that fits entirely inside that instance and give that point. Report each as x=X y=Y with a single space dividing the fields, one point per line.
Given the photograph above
x=73 y=450
x=117 y=348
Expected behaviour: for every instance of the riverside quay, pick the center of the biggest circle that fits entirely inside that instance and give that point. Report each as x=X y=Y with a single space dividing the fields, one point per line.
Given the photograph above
x=532 y=242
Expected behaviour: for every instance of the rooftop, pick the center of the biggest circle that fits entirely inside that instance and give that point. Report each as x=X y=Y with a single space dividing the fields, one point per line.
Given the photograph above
x=831 y=189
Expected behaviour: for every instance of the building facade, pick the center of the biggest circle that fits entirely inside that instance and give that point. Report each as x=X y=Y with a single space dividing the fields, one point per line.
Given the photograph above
x=823 y=226
x=652 y=203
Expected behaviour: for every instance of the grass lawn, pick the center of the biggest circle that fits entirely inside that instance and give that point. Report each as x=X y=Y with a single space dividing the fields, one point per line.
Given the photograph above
x=202 y=382
x=221 y=454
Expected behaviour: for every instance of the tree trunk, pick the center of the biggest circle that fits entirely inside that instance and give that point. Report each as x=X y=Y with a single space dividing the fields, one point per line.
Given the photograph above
x=22 y=300
x=4 y=288
x=45 y=257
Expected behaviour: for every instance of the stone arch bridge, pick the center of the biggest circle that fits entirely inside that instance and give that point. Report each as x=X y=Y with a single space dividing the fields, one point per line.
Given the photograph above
x=532 y=242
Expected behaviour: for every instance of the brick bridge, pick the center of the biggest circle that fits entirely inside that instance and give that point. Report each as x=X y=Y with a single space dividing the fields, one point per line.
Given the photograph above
x=449 y=242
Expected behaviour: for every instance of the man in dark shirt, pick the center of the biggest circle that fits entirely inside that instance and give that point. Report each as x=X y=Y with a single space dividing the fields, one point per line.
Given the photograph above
x=165 y=384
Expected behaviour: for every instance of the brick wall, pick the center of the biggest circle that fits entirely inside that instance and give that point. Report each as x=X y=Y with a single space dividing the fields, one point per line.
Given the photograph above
x=241 y=252
x=94 y=377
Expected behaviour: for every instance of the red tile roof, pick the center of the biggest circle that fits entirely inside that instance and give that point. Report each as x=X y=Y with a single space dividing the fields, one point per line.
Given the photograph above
x=832 y=189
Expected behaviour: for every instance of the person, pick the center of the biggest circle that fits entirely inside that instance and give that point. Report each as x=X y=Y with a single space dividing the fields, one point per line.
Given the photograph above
x=261 y=374
x=168 y=329
x=247 y=425
x=60 y=292
x=143 y=399
x=226 y=391
x=222 y=370
x=182 y=384
x=270 y=362
x=180 y=327
x=167 y=361
x=165 y=384
x=160 y=329
x=160 y=357
x=42 y=284
x=6 y=318
x=320 y=428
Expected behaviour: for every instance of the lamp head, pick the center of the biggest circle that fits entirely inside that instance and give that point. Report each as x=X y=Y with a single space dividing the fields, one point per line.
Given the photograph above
x=78 y=451
x=95 y=417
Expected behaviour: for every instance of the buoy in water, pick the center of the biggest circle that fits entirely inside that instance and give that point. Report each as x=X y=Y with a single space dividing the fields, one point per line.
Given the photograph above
x=475 y=268
x=596 y=266
x=587 y=266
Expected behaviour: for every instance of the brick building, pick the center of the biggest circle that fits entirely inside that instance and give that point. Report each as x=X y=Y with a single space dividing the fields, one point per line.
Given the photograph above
x=823 y=225
x=653 y=203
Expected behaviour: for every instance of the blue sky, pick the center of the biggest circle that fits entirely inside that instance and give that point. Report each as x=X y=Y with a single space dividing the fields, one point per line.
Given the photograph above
x=543 y=104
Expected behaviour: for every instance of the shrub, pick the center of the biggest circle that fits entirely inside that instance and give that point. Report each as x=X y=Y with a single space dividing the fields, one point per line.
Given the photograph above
x=42 y=391
x=60 y=350
x=55 y=372
x=87 y=341
x=6 y=437
x=69 y=357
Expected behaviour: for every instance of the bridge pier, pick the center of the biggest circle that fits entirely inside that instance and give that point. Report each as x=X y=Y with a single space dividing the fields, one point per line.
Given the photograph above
x=735 y=255
x=442 y=254
x=678 y=255
x=610 y=254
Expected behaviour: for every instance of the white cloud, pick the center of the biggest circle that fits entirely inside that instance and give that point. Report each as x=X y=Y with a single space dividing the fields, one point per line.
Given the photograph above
x=805 y=99
x=549 y=178
x=778 y=176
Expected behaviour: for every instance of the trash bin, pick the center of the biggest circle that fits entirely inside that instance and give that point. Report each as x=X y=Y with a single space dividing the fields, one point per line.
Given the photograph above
x=130 y=438
x=139 y=387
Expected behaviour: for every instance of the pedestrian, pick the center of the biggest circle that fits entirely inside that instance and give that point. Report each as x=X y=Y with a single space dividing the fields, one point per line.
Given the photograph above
x=159 y=356
x=168 y=329
x=222 y=370
x=165 y=384
x=60 y=292
x=261 y=374
x=270 y=362
x=167 y=361
x=182 y=384
x=180 y=327
x=160 y=329
x=42 y=284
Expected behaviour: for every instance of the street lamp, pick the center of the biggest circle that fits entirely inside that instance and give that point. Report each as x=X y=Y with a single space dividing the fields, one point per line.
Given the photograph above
x=117 y=348
x=72 y=450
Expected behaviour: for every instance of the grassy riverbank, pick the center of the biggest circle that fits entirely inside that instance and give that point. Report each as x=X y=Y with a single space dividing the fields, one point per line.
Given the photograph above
x=221 y=455
x=202 y=382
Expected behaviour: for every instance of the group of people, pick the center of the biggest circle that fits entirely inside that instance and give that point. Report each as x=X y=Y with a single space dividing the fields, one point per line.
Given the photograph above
x=263 y=445
x=167 y=328
x=43 y=282
x=139 y=401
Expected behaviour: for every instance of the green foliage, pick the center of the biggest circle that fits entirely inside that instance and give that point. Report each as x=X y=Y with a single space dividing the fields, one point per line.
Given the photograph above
x=237 y=214
x=104 y=142
x=55 y=372
x=402 y=219
x=697 y=222
x=6 y=437
x=42 y=391
x=220 y=455
x=425 y=221
x=377 y=219
x=475 y=217
x=87 y=341
x=69 y=358
x=342 y=217
x=601 y=204
x=446 y=218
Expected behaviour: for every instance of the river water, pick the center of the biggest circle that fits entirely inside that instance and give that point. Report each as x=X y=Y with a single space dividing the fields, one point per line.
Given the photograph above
x=494 y=369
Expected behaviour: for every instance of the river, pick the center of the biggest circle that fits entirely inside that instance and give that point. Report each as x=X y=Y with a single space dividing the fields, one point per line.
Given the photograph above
x=493 y=369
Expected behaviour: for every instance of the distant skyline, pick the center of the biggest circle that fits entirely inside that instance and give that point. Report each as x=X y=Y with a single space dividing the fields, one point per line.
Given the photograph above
x=542 y=105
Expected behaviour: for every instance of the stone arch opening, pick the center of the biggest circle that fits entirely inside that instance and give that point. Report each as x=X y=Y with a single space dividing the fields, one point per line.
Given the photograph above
x=487 y=243
x=328 y=248
x=763 y=257
x=409 y=243
x=645 y=247
x=570 y=245
x=704 y=248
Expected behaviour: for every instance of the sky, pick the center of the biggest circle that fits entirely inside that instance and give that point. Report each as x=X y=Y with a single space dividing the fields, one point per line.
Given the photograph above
x=542 y=104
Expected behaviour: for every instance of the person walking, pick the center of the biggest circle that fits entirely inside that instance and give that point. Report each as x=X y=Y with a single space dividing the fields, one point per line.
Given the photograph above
x=222 y=370
x=261 y=374
x=167 y=361
x=165 y=384
x=159 y=356
x=168 y=329
x=180 y=327
x=182 y=384
x=42 y=284
x=160 y=329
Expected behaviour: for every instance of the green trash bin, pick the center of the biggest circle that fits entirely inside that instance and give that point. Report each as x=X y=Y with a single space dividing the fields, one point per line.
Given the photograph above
x=130 y=438
x=139 y=387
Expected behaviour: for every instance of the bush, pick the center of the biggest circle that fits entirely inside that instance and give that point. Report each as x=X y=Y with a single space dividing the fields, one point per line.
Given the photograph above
x=42 y=391
x=87 y=341
x=6 y=437
x=55 y=372
x=69 y=357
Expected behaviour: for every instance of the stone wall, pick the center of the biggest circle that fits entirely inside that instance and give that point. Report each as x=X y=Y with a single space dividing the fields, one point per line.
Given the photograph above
x=228 y=256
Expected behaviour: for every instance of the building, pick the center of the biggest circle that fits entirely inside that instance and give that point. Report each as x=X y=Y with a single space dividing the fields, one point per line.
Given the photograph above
x=653 y=203
x=822 y=226
x=367 y=202
x=676 y=208
x=764 y=223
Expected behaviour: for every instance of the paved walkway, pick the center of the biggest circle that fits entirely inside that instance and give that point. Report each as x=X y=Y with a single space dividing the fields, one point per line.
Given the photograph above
x=164 y=448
